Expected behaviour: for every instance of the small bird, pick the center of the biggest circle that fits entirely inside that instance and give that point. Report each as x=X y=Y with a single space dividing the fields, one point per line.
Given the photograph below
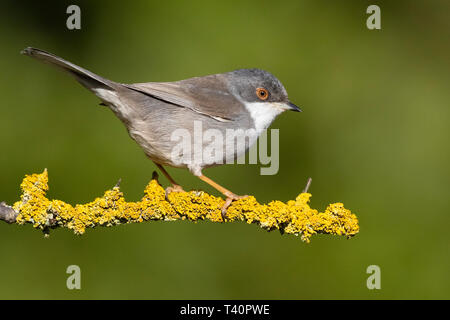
x=247 y=100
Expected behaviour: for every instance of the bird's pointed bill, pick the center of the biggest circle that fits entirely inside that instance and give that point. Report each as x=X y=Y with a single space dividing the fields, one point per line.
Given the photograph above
x=293 y=107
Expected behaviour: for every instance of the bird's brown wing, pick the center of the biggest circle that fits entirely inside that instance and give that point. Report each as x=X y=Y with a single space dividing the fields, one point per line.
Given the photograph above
x=207 y=95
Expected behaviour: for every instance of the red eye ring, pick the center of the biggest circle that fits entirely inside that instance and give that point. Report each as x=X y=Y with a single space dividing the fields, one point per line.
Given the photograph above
x=262 y=93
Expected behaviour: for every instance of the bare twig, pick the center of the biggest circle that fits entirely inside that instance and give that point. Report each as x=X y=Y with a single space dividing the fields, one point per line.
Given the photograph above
x=308 y=184
x=7 y=213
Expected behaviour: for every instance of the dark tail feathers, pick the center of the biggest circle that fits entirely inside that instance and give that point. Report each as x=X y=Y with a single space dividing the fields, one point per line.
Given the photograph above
x=86 y=78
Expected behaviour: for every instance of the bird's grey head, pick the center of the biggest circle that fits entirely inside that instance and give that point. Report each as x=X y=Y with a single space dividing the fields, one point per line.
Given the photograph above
x=262 y=94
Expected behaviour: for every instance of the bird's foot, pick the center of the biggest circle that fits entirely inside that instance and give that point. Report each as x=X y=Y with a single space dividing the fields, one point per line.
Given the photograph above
x=173 y=188
x=230 y=198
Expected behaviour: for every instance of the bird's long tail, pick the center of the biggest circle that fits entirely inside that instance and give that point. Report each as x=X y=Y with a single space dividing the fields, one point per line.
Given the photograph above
x=86 y=78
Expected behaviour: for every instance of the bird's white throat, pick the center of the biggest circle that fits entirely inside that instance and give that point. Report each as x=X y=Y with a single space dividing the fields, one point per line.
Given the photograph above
x=263 y=113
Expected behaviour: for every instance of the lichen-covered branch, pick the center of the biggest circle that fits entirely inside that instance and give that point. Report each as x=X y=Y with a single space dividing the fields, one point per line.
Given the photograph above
x=294 y=217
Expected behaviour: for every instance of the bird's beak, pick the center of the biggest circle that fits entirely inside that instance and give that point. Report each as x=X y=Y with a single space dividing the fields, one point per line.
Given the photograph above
x=292 y=107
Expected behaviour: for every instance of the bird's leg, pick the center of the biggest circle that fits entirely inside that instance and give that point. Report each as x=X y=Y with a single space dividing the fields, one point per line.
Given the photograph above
x=175 y=186
x=230 y=195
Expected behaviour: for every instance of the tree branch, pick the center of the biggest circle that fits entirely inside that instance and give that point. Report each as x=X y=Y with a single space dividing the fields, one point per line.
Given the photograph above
x=294 y=217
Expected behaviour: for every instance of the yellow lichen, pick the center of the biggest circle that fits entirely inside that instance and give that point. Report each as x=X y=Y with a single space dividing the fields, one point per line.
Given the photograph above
x=294 y=217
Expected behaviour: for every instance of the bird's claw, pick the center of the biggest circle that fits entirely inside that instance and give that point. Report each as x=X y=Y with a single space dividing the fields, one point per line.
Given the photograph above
x=173 y=188
x=230 y=198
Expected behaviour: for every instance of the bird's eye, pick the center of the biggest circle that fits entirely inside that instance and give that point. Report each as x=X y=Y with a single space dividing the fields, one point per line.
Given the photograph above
x=262 y=93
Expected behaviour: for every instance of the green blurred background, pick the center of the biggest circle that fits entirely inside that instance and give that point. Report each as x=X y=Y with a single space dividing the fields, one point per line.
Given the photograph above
x=374 y=135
